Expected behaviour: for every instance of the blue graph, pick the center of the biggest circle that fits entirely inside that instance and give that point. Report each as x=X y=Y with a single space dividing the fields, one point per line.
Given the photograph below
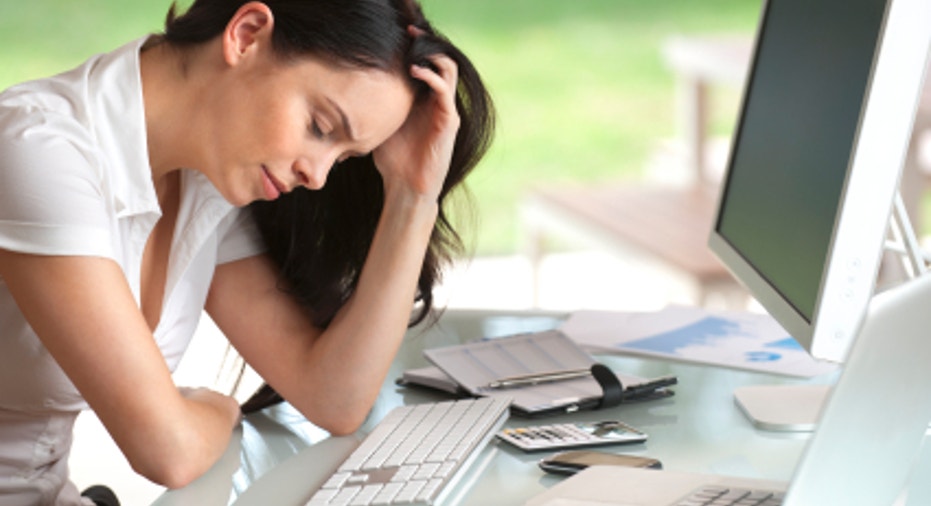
x=709 y=331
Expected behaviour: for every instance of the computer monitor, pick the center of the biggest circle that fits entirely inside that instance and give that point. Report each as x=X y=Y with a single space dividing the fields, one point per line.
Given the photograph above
x=822 y=134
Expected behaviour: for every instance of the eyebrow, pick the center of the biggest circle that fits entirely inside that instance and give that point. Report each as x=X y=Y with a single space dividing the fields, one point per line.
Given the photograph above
x=343 y=119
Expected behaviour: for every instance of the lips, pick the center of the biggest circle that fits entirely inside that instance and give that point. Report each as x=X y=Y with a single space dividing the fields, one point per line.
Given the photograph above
x=272 y=187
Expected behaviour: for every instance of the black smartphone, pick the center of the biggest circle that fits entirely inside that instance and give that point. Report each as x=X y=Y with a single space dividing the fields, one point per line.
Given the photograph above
x=571 y=462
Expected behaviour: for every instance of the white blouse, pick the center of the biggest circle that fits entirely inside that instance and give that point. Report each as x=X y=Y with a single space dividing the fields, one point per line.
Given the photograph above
x=75 y=180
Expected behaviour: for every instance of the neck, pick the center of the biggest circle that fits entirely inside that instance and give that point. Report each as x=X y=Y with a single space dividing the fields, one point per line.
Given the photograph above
x=170 y=94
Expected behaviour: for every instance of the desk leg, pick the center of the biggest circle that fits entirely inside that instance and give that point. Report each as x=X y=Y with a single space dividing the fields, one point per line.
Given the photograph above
x=533 y=248
x=913 y=181
x=725 y=295
x=693 y=93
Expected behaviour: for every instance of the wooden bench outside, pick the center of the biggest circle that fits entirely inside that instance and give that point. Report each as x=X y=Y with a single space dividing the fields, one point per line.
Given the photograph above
x=667 y=222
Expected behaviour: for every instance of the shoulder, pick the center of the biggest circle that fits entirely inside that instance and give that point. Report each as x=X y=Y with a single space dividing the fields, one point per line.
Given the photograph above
x=73 y=155
x=62 y=96
x=45 y=121
x=47 y=147
x=52 y=185
x=84 y=110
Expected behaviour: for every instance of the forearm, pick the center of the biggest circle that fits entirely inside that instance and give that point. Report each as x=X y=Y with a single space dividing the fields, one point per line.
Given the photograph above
x=364 y=337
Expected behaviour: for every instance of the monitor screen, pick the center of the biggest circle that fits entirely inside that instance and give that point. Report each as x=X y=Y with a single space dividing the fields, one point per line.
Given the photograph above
x=804 y=208
x=795 y=141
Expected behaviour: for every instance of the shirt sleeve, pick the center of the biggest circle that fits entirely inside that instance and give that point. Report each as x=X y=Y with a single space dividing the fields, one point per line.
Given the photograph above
x=239 y=237
x=51 y=188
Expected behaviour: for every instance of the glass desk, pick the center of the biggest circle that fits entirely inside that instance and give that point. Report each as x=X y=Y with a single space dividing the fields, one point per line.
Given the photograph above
x=277 y=457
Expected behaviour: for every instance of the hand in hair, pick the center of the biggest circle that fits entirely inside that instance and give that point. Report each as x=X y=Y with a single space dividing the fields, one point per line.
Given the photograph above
x=419 y=153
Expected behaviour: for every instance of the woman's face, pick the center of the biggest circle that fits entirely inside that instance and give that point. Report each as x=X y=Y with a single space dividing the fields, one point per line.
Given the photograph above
x=277 y=126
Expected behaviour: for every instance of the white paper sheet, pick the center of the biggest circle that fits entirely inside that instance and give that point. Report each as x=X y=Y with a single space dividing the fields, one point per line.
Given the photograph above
x=736 y=339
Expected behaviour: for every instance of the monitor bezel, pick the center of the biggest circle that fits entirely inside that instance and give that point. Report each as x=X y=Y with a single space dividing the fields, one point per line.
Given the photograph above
x=860 y=228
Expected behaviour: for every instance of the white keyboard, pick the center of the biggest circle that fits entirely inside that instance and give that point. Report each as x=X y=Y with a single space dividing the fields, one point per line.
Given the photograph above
x=416 y=454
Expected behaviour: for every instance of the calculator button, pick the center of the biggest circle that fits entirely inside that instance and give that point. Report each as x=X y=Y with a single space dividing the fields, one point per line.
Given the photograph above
x=566 y=435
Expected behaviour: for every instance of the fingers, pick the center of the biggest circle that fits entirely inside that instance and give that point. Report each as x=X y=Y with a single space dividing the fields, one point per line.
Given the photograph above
x=419 y=153
x=445 y=78
x=447 y=68
x=442 y=82
x=414 y=32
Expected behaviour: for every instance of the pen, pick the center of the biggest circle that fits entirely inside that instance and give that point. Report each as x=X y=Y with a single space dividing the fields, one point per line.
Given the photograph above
x=533 y=379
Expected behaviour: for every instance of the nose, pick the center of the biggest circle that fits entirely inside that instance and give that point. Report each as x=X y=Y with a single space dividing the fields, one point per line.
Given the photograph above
x=312 y=173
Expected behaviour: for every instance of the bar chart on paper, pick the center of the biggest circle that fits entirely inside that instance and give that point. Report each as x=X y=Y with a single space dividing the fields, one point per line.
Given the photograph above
x=742 y=340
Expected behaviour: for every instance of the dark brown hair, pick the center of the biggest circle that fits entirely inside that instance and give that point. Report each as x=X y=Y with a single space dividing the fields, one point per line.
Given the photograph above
x=320 y=239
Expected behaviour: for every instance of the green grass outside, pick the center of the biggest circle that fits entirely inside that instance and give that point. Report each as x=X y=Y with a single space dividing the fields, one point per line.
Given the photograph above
x=581 y=90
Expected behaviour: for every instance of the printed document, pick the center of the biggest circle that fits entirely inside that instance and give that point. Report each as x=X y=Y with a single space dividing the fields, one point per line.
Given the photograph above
x=739 y=339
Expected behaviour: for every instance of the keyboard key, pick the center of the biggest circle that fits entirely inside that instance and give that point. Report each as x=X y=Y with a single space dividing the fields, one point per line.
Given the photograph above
x=409 y=492
x=429 y=490
x=323 y=496
x=426 y=471
x=337 y=480
x=404 y=473
x=387 y=493
x=366 y=495
x=345 y=495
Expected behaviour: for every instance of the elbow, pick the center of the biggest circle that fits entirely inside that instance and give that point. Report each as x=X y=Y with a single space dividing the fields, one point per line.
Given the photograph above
x=175 y=479
x=341 y=429
x=342 y=423
x=171 y=475
x=178 y=461
x=182 y=442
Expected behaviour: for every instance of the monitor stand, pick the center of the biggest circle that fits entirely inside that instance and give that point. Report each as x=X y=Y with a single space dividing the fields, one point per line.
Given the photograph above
x=782 y=408
x=796 y=408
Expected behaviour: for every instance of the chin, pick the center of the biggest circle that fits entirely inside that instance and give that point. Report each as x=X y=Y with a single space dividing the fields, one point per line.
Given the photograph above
x=239 y=199
x=231 y=192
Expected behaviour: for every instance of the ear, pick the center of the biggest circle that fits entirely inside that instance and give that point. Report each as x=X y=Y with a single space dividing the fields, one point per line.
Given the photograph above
x=249 y=29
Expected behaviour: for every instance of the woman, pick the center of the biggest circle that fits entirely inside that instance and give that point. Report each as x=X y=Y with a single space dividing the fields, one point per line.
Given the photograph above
x=125 y=187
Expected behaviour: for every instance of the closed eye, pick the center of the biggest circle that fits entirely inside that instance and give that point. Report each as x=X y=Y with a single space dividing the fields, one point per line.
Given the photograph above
x=316 y=131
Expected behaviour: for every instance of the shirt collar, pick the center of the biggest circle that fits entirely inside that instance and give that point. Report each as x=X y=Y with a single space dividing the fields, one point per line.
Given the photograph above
x=118 y=118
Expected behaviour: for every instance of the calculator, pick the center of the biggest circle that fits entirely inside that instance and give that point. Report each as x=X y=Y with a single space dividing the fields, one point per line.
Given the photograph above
x=571 y=435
